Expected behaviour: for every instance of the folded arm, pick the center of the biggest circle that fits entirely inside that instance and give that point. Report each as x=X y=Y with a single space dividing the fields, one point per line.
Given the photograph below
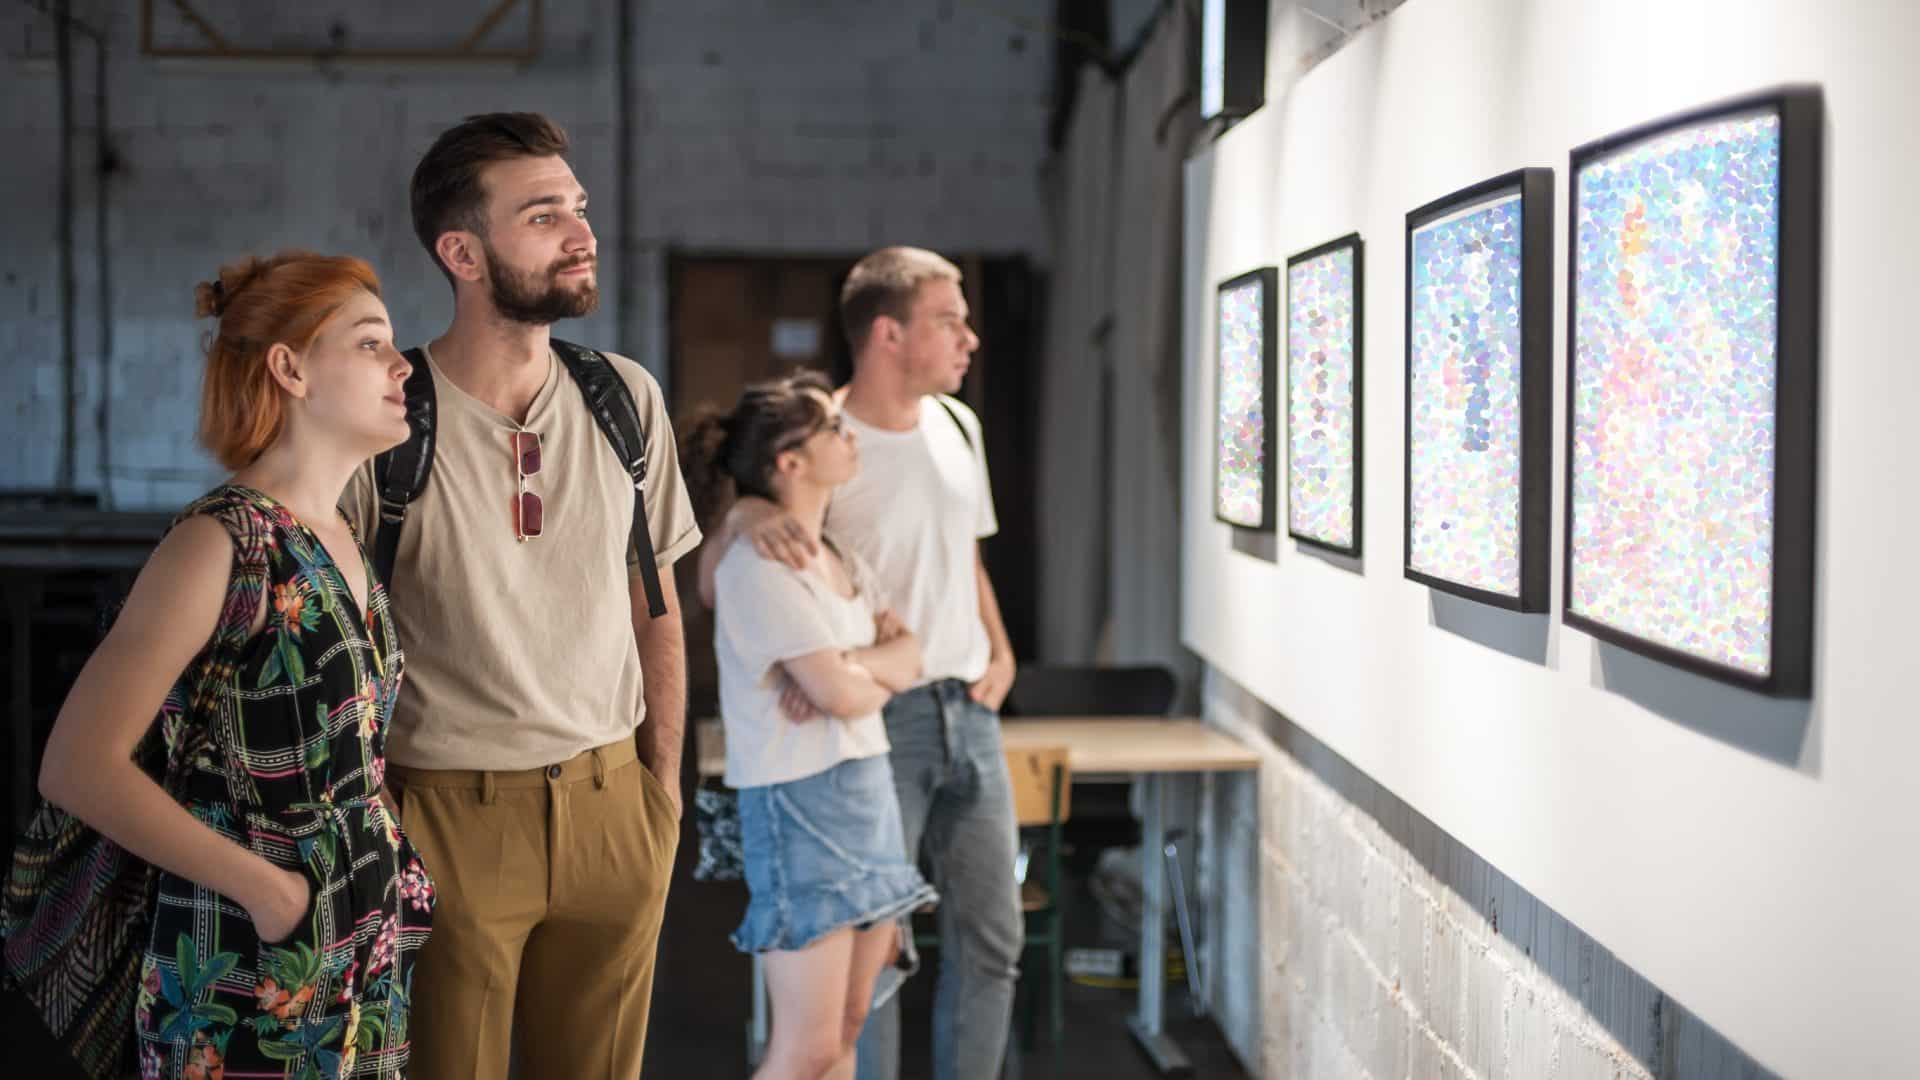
x=842 y=682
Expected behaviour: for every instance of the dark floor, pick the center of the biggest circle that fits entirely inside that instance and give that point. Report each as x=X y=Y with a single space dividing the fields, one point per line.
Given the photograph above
x=700 y=1004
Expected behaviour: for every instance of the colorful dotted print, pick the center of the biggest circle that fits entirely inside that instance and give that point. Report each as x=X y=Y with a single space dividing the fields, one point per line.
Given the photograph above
x=1242 y=423
x=1320 y=396
x=1464 y=433
x=1676 y=275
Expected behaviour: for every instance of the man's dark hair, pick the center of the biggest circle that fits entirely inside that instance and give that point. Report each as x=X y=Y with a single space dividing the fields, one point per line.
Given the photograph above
x=446 y=192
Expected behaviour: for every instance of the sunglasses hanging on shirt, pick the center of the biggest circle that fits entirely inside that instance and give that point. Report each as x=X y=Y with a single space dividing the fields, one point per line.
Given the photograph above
x=528 y=512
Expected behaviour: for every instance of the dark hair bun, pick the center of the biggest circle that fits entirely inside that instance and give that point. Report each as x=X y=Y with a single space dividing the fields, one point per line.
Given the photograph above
x=212 y=298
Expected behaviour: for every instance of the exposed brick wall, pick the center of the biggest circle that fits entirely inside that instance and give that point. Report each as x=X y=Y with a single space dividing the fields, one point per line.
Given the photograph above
x=761 y=126
x=1385 y=949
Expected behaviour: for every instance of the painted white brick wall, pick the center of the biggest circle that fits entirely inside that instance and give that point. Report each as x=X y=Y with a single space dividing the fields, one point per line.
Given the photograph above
x=761 y=126
x=1384 y=950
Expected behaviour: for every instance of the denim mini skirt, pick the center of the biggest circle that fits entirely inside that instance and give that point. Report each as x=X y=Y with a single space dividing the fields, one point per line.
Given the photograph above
x=824 y=852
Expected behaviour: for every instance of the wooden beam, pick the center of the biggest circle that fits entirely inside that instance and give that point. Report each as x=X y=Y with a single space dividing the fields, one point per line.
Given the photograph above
x=486 y=26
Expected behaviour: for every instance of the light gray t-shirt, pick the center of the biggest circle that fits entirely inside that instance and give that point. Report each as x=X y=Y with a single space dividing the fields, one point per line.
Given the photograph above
x=766 y=612
x=914 y=513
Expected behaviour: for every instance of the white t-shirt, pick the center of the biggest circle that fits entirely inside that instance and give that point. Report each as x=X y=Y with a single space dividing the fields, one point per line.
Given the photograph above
x=765 y=612
x=914 y=513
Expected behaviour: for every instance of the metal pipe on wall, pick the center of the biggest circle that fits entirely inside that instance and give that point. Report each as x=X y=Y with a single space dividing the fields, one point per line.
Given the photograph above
x=69 y=358
x=626 y=269
x=105 y=164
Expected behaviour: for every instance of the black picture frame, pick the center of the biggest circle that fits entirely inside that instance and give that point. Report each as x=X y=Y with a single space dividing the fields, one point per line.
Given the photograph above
x=1535 y=508
x=1268 y=279
x=1801 y=112
x=1352 y=241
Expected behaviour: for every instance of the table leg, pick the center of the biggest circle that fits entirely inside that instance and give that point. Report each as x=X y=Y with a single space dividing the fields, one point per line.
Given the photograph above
x=1148 y=1023
x=1183 y=918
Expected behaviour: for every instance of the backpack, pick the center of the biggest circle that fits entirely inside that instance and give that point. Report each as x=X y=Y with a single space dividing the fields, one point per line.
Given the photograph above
x=400 y=474
x=964 y=434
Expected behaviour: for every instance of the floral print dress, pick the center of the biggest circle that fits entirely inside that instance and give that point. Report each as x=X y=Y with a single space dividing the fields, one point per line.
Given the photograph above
x=287 y=758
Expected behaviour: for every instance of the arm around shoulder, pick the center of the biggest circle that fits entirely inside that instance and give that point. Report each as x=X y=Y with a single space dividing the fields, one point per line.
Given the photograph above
x=745 y=517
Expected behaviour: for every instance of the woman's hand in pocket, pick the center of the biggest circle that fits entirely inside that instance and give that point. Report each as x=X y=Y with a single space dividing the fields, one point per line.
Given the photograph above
x=285 y=898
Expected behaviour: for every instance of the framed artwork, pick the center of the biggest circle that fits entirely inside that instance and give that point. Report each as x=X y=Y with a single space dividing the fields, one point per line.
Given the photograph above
x=1323 y=395
x=1243 y=388
x=1693 y=311
x=1479 y=402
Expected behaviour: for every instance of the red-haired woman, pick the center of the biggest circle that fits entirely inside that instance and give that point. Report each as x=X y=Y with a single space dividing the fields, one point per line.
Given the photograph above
x=288 y=906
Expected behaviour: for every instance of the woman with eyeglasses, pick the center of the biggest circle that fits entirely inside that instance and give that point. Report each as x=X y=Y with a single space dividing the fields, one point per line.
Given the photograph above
x=807 y=658
x=225 y=742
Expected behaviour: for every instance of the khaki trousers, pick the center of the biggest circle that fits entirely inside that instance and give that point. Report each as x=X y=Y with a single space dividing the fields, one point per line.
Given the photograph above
x=550 y=885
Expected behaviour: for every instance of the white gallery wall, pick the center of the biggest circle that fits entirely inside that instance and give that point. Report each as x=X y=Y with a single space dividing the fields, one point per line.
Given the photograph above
x=1754 y=858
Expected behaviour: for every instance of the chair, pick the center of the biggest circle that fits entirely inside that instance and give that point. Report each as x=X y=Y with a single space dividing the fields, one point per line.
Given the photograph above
x=1145 y=690
x=1064 y=690
x=1042 y=789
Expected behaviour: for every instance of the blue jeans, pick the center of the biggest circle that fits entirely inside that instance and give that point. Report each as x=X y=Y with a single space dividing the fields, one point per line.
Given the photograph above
x=956 y=809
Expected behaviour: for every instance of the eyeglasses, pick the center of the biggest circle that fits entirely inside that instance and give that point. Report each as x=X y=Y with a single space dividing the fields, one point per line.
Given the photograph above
x=837 y=424
x=528 y=512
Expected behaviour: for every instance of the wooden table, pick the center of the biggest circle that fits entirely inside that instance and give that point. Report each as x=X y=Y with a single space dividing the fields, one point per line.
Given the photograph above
x=1143 y=748
x=1096 y=745
x=1131 y=745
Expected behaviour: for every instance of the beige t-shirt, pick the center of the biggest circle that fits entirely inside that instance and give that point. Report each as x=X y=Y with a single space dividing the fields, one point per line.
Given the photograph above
x=520 y=655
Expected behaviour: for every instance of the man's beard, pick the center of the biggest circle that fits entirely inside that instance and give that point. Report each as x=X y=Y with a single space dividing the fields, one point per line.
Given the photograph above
x=539 y=299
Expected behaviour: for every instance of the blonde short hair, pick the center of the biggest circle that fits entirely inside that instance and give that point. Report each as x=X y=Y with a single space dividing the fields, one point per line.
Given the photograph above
x=883 y=283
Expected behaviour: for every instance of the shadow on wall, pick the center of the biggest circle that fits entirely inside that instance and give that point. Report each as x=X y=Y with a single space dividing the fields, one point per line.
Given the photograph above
x=1779 y=730
x=1519 y=635
x=1352 y=564
x=1259 y=543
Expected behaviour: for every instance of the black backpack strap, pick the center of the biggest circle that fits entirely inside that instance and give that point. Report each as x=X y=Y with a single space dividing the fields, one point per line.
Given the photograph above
x=613 y=407
x=400 y=474
x=945 y=404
